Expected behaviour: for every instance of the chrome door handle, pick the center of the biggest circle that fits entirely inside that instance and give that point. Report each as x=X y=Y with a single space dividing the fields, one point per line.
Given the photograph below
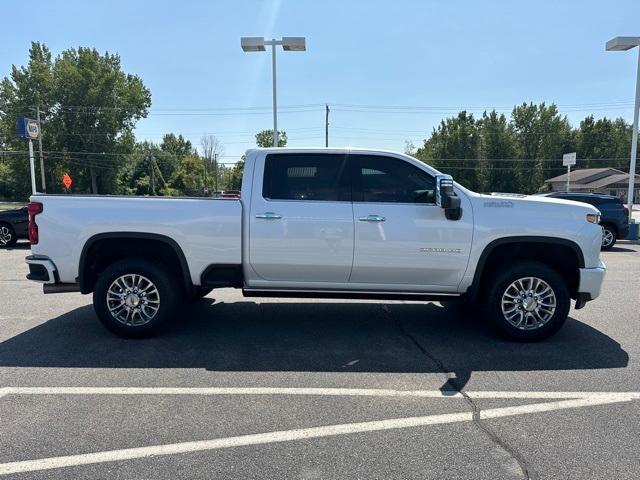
x=269 y=215
x=372 y=218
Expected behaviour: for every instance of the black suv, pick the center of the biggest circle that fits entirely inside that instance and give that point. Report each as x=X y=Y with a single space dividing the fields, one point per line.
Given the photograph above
x=13 y=225
x=614 y=219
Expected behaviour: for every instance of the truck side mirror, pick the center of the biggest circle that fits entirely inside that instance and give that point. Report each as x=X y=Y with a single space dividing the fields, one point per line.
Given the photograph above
x=446 y=197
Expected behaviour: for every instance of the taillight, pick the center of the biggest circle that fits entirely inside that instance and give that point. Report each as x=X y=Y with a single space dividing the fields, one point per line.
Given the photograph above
x=34 y=208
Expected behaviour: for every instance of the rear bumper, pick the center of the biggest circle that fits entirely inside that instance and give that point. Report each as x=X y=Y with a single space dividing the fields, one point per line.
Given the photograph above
x=591 y=281
x=41 y=269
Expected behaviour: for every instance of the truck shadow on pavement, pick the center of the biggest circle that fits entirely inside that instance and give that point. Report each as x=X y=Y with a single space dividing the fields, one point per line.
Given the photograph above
x=316 y=337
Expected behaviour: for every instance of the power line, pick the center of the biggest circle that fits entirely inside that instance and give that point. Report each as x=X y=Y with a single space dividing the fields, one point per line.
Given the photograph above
x=197 y=109
x=603 y=104
x=481 y=107
x=220 y=134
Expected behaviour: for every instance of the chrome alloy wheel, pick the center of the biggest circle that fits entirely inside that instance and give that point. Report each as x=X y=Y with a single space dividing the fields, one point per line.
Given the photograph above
x=607 y=237
x=133 y=299
x=5 y=236
x=528 y=303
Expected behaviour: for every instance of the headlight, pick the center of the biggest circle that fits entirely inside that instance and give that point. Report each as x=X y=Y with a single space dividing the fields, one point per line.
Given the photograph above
x=593 y=217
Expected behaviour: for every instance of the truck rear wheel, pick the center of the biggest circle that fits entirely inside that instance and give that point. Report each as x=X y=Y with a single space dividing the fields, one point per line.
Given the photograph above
x=133 y=297
x=528 y=301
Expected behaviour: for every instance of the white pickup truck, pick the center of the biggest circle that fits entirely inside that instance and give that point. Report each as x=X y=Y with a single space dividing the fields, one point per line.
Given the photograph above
x=323 y=223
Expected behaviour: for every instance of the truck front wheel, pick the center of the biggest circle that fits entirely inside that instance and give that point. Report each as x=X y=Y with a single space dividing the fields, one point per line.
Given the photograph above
x=133 y=297
x=528 y=301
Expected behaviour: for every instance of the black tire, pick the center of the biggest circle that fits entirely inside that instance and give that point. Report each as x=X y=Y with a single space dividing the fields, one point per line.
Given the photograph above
x=199 y=293
x=499 y=283
x=8 y=237
x=168 y=297
x=606 y=231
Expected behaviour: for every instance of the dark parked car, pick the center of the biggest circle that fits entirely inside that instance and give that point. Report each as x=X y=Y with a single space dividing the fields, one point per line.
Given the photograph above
x=13 y=225
x=614 y=219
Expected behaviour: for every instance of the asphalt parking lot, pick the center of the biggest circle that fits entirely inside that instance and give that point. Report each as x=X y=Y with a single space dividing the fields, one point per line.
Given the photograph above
x=245 y=388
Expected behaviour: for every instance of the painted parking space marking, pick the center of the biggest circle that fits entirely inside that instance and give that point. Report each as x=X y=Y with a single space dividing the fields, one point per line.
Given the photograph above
x=331 y=391
x=562 y=401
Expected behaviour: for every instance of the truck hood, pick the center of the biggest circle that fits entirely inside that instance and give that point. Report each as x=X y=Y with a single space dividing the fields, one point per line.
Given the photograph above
x=509 y=200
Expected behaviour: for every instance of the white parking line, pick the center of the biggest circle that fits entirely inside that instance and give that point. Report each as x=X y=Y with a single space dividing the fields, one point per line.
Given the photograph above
x=364 y=392
x=302 y=434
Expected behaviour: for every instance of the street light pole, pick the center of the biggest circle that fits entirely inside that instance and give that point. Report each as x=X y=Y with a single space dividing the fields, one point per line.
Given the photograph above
x=620 y=44
x=634 y=142
x=257 y=44
x=326 y=125
x=275 y=101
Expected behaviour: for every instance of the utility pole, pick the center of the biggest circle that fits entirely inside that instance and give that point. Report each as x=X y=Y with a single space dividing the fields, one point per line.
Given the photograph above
x=151 y=178
x=215 y=172
x=326 y=125
x=204 y=188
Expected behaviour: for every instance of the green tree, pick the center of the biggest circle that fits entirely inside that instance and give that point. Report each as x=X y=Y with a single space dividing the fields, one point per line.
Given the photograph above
x=189 y=177
x=498 y=149
x=99 y=104
x=235 y=175
x=176 y=145
x=603 y=143
x=264 y=139
x=541 y=134
x=172 y=148
x=25 y=89
x=453 y=148
x=91 y=108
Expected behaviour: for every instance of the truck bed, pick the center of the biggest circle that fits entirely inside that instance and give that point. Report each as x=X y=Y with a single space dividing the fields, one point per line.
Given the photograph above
x=207 y=230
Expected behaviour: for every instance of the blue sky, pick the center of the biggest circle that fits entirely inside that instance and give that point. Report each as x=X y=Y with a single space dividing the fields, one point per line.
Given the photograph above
x=435 y=55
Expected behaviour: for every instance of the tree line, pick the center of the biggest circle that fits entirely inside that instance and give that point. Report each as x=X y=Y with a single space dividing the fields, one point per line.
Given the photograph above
x=517 y=154
x=90 y=107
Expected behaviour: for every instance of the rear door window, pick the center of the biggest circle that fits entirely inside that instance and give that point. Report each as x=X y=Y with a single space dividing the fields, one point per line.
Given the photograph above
x=306 y=177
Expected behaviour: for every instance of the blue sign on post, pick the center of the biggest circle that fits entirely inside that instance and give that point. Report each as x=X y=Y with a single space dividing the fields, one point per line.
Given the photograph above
x=28 y=128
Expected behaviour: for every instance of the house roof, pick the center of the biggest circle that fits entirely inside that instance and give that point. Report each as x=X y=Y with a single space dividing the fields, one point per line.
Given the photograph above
x=611 y=179
x=579 y=176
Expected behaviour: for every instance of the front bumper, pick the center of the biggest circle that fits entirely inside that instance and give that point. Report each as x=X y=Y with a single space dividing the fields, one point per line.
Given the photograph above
x=591 y=281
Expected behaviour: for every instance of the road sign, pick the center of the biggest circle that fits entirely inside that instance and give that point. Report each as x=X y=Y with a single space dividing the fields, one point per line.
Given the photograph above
x=28 y=128
x=66 y=181
x=569 y=159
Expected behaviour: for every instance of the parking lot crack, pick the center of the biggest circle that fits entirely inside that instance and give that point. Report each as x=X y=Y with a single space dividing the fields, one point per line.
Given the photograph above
x=452 y=387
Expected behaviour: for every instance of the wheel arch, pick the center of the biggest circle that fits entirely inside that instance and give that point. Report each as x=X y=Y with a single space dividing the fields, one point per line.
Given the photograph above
x=102 y=249
x=561 y=254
